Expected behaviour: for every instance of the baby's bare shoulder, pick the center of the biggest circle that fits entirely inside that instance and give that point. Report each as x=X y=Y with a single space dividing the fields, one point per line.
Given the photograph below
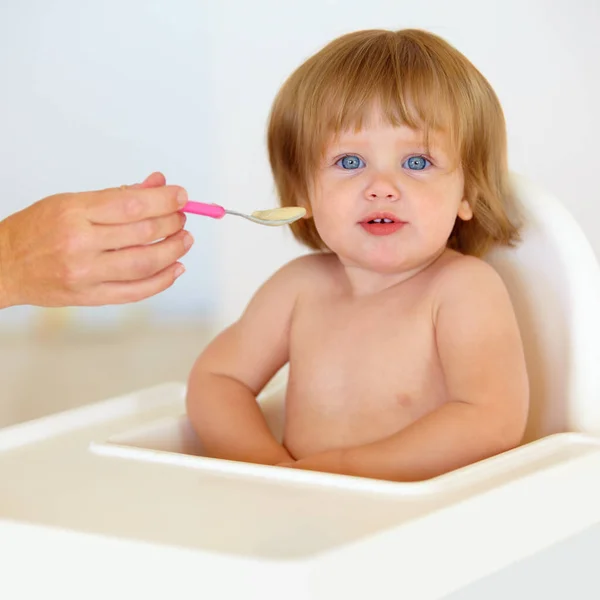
x=291 y=281
x=467 y=286
x=466 y=275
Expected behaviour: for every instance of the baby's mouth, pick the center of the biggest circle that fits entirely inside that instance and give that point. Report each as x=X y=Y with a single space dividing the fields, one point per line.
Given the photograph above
x=381 y=217
x=381 y=221
x=381 y=224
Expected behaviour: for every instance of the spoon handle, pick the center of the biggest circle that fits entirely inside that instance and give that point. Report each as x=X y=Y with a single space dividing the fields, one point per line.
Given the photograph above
x=207 y=210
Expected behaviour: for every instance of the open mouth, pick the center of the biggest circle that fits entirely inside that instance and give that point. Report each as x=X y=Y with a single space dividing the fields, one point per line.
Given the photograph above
x=382 y=224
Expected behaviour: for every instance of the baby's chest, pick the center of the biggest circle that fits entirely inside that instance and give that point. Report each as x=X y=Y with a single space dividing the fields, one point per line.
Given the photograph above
x=363 y=345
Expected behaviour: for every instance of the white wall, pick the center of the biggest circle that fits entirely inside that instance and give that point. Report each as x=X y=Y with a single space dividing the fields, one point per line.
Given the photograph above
x=96 y=94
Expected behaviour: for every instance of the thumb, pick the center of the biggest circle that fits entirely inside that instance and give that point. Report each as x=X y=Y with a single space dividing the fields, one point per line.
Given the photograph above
x=156 y=179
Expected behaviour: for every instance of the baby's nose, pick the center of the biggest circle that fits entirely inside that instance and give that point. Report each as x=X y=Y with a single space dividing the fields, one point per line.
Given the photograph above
x=383 y=187
x=383 y=191
x=389 y=196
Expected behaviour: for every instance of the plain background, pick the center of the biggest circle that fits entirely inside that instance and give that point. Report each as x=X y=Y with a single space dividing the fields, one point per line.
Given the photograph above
x=96 y=94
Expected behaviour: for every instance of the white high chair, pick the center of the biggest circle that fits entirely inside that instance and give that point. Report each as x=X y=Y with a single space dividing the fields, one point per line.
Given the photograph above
x=553 y=278
x=116 y=500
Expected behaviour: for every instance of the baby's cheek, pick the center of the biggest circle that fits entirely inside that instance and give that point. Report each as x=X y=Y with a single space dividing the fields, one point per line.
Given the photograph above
x=325 y=226
x=439 y=215
x=337 y=240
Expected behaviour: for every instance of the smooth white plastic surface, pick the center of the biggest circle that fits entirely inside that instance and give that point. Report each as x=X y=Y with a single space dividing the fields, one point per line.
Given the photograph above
x=116 y=499
x=553 y=278
x=106 y=490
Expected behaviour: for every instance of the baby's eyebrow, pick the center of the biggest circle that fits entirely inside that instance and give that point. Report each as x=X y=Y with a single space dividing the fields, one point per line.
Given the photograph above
x=341 y=149
x=407 y=148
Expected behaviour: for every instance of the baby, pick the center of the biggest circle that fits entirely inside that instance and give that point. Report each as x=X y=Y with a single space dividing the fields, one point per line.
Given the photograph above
x=405 y=358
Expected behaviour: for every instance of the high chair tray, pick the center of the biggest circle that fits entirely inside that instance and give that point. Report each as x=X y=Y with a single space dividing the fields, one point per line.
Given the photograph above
x=115 y=499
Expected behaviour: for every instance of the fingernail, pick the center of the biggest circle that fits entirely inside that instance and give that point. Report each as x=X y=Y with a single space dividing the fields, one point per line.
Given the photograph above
x=179 y=270
x=188 y=240
x=182 y=197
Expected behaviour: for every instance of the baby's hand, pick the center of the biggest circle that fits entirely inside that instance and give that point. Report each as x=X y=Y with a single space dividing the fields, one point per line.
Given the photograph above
x=330 y=461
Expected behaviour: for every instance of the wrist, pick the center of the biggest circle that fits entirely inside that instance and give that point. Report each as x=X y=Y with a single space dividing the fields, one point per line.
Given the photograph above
x=357 y=461
x=282 y=456
x=265 y=455
x=369 y=460
x=345 y=461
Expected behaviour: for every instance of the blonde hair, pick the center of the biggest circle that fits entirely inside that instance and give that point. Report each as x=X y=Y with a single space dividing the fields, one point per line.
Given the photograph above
x=419 y=80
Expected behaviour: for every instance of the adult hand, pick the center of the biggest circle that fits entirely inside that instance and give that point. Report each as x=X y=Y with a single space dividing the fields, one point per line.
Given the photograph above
x=94 y=248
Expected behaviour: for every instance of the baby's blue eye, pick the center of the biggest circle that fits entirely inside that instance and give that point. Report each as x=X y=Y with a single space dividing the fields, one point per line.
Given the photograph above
x=416 y=163
x=350 y=162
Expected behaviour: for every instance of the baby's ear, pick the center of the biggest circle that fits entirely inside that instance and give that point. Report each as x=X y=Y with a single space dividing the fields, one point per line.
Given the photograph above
x=306 y=205
x=465 y=212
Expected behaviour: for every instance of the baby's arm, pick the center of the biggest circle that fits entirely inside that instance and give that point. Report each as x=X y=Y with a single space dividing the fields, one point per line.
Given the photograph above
x=233 y=369
x=483 y=363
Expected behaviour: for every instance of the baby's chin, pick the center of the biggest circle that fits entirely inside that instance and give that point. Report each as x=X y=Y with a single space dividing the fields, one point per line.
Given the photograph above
x=382 y=258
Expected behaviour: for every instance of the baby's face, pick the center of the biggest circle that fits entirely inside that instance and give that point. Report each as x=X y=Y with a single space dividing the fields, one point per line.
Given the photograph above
x=381 y=203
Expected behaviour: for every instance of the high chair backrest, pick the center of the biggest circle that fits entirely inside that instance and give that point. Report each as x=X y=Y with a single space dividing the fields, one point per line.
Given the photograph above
x=553 y=278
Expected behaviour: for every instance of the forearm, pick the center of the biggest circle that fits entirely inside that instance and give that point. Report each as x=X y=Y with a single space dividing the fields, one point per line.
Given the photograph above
x=4 y=301
x=229 y=422
x=4 y=274
x=453 y=436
